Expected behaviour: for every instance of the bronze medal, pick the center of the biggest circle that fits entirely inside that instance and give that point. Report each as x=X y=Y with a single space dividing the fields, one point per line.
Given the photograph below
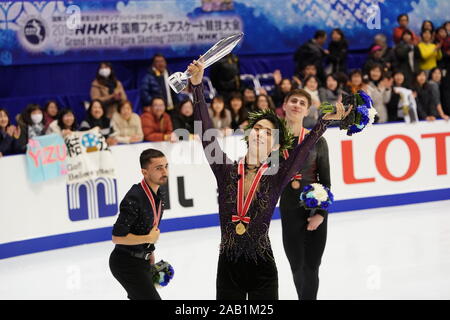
x=240 y=229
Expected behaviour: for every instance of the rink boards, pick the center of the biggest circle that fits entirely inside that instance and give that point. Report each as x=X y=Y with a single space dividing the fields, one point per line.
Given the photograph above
x=390 y=164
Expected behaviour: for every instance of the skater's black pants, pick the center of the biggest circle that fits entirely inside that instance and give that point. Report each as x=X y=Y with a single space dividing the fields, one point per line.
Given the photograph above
x=243 y=279
x=134 y=274
x=304 y=250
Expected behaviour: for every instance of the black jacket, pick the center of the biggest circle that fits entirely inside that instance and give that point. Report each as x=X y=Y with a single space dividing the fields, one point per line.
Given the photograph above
x=338 y=55
x=136 y=215
x=402 y=61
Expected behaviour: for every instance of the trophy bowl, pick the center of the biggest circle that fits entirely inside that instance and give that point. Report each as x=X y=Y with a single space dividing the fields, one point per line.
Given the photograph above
x=179 y=80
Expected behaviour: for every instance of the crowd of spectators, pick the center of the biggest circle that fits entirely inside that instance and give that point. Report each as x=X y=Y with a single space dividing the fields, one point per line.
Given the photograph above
x=417 y=65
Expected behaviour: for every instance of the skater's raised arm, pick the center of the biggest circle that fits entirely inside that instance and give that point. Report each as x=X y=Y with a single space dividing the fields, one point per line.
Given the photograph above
x=299 y=155
x=213 y=152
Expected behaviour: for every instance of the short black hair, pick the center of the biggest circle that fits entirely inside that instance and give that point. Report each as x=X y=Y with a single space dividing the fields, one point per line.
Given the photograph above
x=402 y=15
x=147 y=156
x=157 y=98
x=320 y=34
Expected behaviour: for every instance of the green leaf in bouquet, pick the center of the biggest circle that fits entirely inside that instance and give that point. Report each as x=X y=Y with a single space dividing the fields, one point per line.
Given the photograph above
x=327 y=107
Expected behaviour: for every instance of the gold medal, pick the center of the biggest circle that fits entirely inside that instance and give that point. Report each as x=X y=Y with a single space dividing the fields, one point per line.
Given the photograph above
x=295 y=184
x=240 y=229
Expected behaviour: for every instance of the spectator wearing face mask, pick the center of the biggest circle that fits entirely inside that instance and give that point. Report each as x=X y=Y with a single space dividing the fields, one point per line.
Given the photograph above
x=31 y=122
x=108 y=89
x=65 y=124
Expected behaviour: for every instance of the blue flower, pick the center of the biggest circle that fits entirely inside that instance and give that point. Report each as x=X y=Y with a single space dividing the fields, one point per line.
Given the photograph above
x=324 y=205
x=311 y=203
x=367 y=99
x=307 y=188
x=330 y=196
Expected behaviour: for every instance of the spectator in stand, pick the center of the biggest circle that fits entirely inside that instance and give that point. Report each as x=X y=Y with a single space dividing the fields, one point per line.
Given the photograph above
x=444 y=64
x=355 y=82
x=399 y=79
x=239 y=114
x=430 y=52
x=338 y=48
x=96 y=117
x=107 y=89
x=282 y=87
x=299 y=77
x=32 y=125
x=249 y=96
x=50 y=112
x=426 y=108
x=392 y=104
x=312 y=52
x=375 y=58
x=263 y=102
x=127 y=124
x=408 y=57
x=9 y=135
x=183 y=118
x=435 y=84
x=342 y=79
x=156 y=122
x=155 y=84
x=225 y=75
x=446 y=25
x=440 y=35
x=332 y=93
x=403 y=21
x=312 y=87
x=220 y=116
x=387 y=53
x=379 y=89
x=427 y=25
x=64 y=125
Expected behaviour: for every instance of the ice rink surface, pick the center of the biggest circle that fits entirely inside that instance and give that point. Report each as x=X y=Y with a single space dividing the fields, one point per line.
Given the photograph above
x=388 y=253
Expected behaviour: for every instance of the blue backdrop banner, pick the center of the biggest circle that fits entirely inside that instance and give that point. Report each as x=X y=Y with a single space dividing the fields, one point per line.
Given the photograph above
x=67 y=31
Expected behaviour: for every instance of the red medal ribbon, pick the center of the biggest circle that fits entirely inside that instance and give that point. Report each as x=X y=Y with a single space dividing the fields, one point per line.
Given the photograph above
x=286 y=153
x=243 y=206
x=156 y=216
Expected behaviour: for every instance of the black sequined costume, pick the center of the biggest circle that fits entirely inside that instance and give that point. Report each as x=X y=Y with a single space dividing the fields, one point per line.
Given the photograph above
x=251 y=251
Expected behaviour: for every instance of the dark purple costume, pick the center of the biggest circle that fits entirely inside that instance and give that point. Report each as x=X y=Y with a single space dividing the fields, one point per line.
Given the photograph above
x=246 y=263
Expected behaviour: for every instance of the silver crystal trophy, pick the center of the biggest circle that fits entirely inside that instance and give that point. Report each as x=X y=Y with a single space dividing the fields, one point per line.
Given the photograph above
x=179 y=80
